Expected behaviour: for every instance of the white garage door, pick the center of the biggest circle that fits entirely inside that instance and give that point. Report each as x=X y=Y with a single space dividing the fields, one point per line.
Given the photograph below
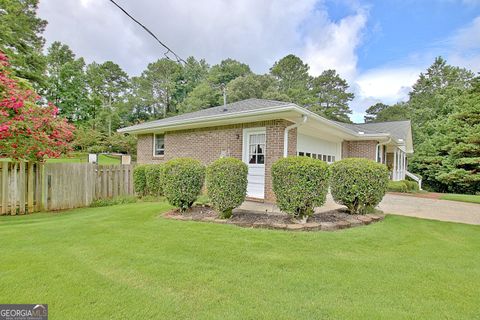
x=254 y=144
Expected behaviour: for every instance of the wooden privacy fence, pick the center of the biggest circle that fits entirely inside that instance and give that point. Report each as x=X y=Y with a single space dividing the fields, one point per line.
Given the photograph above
x=30 y=187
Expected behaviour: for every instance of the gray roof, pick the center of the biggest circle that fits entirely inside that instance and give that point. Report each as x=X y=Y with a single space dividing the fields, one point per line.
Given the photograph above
x=398 y=129
x=229 y=108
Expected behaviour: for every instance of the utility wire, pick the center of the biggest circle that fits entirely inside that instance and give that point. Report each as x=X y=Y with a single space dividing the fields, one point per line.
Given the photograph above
x=177 y=57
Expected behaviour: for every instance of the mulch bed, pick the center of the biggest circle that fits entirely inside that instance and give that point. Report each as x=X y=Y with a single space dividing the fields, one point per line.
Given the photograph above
x=326 y=221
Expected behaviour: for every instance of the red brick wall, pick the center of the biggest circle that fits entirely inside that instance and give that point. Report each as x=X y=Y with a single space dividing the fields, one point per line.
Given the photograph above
x=359 y=149
x=208 y=144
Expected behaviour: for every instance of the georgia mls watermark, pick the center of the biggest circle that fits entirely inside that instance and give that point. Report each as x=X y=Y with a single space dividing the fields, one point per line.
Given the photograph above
x=23 y=311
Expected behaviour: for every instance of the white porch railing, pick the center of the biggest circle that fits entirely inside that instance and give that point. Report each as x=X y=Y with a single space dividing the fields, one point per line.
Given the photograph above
x=415 y=178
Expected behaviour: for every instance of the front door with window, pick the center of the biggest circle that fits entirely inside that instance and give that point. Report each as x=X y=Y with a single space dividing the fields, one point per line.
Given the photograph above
x=254 y=147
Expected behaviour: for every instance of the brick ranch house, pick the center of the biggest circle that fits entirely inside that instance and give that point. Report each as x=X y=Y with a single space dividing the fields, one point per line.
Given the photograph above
x=261 y=131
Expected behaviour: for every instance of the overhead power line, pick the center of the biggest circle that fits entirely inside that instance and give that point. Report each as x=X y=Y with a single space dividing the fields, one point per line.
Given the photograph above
x=177 y=57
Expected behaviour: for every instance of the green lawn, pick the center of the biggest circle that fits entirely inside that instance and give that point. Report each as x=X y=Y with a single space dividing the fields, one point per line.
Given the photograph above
x=82 y=157
x=127 y=262
x=461 y=197
x=102 y=159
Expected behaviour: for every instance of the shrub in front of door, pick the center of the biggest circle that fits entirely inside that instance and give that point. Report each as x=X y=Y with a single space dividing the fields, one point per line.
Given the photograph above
x=226 y=182
x=183 y=181
x=359 y=184
x=300 y=184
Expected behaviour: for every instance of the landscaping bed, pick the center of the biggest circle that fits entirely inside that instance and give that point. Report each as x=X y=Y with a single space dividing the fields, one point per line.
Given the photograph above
x=325 y=221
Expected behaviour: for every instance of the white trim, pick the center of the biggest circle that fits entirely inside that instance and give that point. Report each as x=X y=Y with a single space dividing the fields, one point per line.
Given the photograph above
x=148 y=127
x=154 y=143
x=248 y=131
x=394 y=169
x=254 y=170
x=287 y=130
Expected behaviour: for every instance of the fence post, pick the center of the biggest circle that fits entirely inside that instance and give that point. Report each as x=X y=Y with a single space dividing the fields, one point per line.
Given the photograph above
x=30 y=188
x=21 y=188
x=43 y=187
x=5 y=166
x=13 y=189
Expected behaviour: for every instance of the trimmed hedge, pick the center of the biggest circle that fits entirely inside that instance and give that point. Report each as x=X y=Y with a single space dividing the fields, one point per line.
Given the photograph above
x=153 y=179
x=226 y=182
x=403 y=186
x=359 y=184
x=139 y=180
x=300 y=184
x=412 y=186
x=397 y=186
x=183 y=181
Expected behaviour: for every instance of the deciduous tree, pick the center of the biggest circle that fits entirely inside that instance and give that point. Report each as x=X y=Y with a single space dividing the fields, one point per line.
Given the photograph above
x=28 y=131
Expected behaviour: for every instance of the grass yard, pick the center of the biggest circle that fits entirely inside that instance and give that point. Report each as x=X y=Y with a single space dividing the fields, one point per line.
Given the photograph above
x=461 y=197
x=127 y=262
x=102 y=159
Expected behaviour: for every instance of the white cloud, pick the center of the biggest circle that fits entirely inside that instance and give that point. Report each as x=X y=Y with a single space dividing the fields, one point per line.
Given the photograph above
x=257 y=32
x=333 y=45
x=464 y=46
x=389 y=85
x=253 y=31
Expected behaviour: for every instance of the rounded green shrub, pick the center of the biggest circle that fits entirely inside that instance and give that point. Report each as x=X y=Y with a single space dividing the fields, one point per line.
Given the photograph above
x=300 y=184
x=358 y=184
x=397 y=186
x=182 y=181
x=226 y=182
x=139 y=180
x=412 y=186
x=153 y=177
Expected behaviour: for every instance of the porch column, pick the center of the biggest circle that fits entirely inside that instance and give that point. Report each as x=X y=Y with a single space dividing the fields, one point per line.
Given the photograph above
x=400 y=174
x=394 y=170
x=404 y=164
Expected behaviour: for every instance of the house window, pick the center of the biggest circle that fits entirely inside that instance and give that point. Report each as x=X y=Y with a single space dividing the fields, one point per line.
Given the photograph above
x=159 y=145
x=256 y=149
x=324 y=157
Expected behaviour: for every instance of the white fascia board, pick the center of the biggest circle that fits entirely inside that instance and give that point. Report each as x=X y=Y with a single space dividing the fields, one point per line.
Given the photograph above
x=172 y=125
x=147 y=128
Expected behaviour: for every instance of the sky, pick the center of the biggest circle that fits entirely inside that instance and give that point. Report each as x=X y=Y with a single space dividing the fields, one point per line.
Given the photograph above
x=379 y=47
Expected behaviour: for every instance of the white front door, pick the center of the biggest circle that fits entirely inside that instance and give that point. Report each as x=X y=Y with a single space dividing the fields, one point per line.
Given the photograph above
x=254 y=143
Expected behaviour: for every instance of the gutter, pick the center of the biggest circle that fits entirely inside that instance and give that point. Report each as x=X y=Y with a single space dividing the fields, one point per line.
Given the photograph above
x=287 y=129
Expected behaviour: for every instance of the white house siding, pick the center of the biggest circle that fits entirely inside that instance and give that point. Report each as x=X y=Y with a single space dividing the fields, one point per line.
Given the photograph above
x=314 y=147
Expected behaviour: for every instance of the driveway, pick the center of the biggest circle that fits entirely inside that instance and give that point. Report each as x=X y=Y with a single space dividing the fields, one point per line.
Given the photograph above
x=405 y=205
x=443 y=210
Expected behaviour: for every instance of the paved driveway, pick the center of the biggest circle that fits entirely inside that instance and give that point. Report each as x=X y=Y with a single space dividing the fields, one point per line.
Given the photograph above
x=404 y=205
x=436 y=209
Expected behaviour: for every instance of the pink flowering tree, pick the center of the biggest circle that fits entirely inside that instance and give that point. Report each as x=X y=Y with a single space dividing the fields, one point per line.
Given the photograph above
x=29 y=130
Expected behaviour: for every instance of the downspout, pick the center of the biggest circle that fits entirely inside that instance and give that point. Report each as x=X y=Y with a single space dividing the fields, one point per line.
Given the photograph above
x=287 y=129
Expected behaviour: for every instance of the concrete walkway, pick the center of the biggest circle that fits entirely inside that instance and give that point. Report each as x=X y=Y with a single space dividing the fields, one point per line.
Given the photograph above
x=435 y=209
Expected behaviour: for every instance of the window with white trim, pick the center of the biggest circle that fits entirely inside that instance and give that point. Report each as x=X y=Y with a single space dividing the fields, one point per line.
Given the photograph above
x=158 y=144
x=324 y=157
x=256 y=148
